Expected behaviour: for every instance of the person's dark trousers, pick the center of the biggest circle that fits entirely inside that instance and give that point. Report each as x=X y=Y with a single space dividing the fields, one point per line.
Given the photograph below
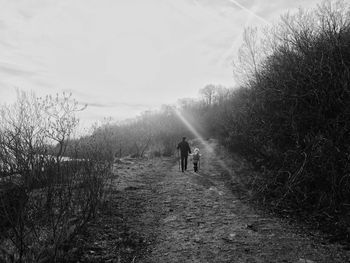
x=184 y=162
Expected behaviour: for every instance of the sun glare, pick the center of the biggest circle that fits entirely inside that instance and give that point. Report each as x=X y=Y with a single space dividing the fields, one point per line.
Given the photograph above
x=208 y=148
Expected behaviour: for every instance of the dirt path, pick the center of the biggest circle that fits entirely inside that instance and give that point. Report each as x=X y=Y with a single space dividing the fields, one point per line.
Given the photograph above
x=158 y=214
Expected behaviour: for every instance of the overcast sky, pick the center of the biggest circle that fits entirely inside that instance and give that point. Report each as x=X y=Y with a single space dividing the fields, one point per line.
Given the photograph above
x=122 y=57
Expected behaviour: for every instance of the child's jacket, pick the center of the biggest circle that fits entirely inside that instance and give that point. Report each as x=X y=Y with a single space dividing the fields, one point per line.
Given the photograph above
x=195 y=157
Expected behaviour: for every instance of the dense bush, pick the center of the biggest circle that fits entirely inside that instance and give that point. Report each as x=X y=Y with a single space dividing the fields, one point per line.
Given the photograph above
x=292 y=114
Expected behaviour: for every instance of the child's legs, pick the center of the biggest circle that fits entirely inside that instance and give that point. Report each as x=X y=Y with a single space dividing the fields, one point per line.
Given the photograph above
x=195 y=166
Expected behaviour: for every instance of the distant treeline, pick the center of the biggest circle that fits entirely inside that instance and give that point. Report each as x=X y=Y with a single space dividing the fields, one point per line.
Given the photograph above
x=154 y=133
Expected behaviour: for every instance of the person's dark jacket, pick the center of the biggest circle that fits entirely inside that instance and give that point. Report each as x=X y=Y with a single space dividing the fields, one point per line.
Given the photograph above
x=184 y=148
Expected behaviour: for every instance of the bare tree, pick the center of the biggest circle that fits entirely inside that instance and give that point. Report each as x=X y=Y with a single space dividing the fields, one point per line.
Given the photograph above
x=249 y=56
x=208 y=93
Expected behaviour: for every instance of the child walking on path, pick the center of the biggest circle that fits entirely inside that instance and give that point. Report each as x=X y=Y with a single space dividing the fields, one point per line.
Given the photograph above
x=196 y=158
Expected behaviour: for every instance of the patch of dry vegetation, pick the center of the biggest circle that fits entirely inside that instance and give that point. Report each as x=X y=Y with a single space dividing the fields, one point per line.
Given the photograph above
x=45 y=198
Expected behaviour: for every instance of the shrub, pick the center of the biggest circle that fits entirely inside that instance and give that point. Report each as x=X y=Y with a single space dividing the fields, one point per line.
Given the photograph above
x=45 y=198
x=291 y=117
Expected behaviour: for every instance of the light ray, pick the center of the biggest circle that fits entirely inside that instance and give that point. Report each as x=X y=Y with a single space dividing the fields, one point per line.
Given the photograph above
x=206 y=145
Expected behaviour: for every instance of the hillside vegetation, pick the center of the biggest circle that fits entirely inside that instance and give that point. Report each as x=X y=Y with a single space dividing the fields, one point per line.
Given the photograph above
x=292 y=113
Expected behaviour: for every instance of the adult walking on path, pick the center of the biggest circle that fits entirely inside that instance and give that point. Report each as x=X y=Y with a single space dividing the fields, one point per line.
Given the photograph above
x=185 y=149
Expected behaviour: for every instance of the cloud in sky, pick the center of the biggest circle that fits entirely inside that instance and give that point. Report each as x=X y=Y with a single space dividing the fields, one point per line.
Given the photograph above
x=127 y=55
x=14 y=70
